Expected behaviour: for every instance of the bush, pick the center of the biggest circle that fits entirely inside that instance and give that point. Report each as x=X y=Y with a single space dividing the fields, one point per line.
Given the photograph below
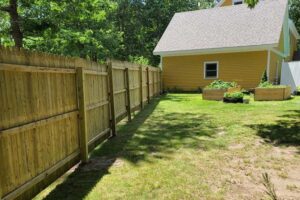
x=264 y=77
x=234 y=95
x=219 y=84
x=298 y=89
x=139 y=60
x=267 y=84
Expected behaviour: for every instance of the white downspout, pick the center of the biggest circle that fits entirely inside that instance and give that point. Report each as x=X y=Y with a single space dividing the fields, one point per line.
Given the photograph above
x=268 y=65
x=160 y=63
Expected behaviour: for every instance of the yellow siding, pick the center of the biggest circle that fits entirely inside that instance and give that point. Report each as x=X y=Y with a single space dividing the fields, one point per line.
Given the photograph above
x=293 y=46
x=227 y=3
x=187 y=72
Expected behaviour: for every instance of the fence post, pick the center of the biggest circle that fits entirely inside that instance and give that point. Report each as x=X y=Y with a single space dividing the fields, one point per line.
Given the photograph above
x=128 y=107
x=148 y=85
x=141 y=86
x=160 y=82
x=153 y=84
x=82 y=115
x=111 y=99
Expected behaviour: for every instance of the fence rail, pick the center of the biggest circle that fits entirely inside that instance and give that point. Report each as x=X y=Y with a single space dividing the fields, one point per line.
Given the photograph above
x=55 y=110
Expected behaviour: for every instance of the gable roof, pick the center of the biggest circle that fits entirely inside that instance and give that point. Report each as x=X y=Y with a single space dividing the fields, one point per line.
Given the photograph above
x=224 y=28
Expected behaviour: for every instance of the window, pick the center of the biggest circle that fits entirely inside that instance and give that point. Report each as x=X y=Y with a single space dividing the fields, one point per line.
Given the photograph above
x=211 y=70
x=237 y=2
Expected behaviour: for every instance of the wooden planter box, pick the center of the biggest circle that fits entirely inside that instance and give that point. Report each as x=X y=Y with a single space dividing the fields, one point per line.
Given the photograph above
x=213 y=94
x=218 y=94
x=272 y=94
x=234 y=89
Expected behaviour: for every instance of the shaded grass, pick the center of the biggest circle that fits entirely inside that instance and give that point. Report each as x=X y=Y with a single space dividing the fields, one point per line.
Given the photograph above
x=175 y=148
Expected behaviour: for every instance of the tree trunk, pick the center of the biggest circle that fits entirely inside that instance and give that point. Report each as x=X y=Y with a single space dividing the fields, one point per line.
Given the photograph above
x=16 y=32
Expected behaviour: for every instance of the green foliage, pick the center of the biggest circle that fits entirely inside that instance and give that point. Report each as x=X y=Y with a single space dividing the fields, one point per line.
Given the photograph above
x=5 y=38
x=251 y=3
x=139 y=60
x=96 y=29
x=269 y=186
x=264 y=77
x=219 y=84
x=298 y=89
x=294 y=7
x=234 y=95
x=143 y=23
x=267 y=84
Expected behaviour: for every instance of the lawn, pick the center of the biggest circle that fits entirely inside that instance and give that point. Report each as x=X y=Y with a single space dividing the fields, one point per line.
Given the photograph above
x=181 y=147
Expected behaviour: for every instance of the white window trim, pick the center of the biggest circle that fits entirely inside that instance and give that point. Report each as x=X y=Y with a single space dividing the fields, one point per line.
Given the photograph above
x=204 y=69
x=234 y=1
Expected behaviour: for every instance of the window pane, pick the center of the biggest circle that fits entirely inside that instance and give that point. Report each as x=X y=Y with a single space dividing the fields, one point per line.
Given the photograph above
x=237 y=3
x=212 y=66
x=211 y=73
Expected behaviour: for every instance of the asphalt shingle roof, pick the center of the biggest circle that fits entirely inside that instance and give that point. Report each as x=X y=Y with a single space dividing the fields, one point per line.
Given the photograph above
x=224 y=27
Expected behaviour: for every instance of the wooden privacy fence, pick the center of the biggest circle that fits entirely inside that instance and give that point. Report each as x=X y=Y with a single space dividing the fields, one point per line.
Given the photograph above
x=54 y=110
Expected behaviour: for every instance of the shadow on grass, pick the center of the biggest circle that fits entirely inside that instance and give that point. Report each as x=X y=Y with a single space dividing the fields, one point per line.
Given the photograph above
x=183 y=97
x=284 y=132
x=150 y=135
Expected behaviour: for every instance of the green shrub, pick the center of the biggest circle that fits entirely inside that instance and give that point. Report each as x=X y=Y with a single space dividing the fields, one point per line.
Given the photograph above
x=267 y=84
x=219 y=84
x=264 y=77
x=234 y=95
x=298 y=89
x=139 y=60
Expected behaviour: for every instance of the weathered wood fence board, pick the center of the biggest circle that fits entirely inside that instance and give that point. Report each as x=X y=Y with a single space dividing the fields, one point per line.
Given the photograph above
x=55 y=108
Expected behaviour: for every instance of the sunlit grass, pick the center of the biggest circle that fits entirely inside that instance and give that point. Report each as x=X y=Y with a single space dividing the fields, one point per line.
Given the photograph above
x=181 y=147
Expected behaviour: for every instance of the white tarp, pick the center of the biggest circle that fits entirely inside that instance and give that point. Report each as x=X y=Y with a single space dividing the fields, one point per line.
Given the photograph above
x=290 y=74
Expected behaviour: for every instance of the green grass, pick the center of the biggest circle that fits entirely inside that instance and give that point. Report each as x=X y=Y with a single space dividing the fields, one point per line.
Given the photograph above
x=181 y=147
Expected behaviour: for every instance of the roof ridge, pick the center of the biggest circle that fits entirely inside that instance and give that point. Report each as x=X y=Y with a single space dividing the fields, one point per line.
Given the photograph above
x=230 y=7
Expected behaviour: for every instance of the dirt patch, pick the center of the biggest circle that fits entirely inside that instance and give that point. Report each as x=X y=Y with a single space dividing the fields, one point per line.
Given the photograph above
x=101 y=163
x=221 y=131
x=236 y=146
x=243 y=173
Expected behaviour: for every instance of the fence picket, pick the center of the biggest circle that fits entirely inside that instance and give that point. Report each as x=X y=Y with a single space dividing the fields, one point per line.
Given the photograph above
x=128 y=106
x=112 y=99
x=55 y=109
x=148 y=85
x=141 y=87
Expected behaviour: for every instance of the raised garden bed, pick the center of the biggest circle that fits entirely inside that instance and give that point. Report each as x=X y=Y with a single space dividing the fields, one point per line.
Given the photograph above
x=217 y=89
x=213 y=94
x=272 y=94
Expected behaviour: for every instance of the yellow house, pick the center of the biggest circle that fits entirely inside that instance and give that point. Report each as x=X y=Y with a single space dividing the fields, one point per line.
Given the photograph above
x=230 y=42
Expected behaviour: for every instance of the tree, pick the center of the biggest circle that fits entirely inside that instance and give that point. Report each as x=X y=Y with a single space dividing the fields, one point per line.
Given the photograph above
x=143 y=23
x=96 y=29
x=12 y=10
x=294 y=7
